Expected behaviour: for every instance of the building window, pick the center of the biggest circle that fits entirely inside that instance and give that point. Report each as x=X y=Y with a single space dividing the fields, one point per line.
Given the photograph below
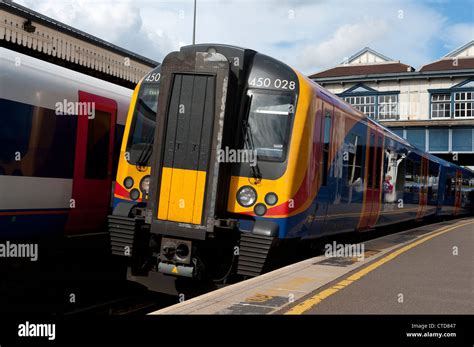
x=463 y=104
x=462 y=139
x=365 y=104
x=417 y=137
x=388 y=107
x=439 y=140
x=441 y=106
x=398 y=131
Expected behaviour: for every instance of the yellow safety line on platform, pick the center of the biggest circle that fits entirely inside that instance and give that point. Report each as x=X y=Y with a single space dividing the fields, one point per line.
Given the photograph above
x=316 y=299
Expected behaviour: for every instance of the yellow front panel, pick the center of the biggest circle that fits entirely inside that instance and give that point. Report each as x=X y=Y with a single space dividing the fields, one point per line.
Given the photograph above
x=164 y=196
x=182 y=195
x=199 y=197
x=177 y=202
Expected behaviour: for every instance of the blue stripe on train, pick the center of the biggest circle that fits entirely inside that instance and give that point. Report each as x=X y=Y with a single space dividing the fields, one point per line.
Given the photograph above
x=32 y=225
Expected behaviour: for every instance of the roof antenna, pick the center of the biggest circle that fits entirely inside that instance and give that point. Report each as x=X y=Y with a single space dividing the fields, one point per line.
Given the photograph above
x=194 y=23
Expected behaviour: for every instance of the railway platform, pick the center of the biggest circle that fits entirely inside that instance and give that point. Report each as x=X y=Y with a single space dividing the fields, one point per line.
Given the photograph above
x=426 y=270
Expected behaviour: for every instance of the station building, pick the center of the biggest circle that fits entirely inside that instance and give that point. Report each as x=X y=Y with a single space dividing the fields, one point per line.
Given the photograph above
x=432 y=107
x=26 y=31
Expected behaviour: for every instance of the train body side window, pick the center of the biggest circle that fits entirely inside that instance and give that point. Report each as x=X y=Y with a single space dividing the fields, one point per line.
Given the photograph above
x=370 y=170
x=450 y=186
x=35 y=142
x=378 y=163
x=354 y=161
x=433 y=180
x=97 y=161
x=326 y=139
x=418 y=180
x=409 y=179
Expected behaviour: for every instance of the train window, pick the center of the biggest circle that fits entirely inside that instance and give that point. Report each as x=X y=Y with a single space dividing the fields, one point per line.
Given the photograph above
x=142 y=130
x=417 y=173
x=15 y=131
x=35 y=142
x=448 y=191
x=433 y=180
x=326 y=139
x=409 y=179
x=465 y=188
x=98 y=136
x=400 y=179
x=270 y=119
x=378 y=163
x=354 y=162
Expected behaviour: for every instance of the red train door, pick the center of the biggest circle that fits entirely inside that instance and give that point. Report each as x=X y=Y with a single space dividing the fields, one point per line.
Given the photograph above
x=373 y=180
x=92 y=179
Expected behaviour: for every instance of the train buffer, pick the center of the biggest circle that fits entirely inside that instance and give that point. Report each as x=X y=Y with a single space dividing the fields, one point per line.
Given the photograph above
x=426 y=270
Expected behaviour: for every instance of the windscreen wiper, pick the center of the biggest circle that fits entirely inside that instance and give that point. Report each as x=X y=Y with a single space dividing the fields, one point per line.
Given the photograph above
x=249 y=143
x=145 y=154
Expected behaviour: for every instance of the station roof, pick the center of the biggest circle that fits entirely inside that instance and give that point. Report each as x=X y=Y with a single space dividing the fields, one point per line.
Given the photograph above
x=458 y=59
x=54 y=24
x=366 y=69
x=365 y=62
x=368 y=62
x=32 y=33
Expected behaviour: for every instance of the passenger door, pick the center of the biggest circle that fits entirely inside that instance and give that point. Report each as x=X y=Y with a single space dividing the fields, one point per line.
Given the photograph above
x=324 y=195
x=373 y=180
x=92 y=180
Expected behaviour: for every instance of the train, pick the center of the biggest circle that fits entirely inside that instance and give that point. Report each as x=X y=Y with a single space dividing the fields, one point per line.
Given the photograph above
x=60 y=135
x=230 y=155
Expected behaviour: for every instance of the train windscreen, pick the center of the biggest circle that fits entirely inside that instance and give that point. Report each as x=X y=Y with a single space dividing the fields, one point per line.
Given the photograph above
x=270 y=119
x=142 y=130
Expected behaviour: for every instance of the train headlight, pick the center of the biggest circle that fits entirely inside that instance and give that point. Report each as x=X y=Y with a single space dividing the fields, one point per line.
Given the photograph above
x=260 y=209
x=271 y=199
x=134 y=194
x=145 y=184
x=246 y=196
x=128 y=182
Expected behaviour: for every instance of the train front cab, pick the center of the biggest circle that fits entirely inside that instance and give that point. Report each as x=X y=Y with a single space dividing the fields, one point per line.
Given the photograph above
x=133 y=172
x=195 y=216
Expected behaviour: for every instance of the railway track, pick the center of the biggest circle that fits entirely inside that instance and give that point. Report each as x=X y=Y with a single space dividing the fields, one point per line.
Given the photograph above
x=124 y=306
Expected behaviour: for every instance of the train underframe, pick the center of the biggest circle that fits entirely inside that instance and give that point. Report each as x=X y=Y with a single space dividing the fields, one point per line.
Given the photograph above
x=171 y=264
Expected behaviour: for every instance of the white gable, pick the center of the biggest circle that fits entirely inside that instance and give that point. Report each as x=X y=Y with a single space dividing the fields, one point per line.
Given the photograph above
x=360 y=89
x=462 y=52
x=468 y=52
x=367 y=58
x=468 y=85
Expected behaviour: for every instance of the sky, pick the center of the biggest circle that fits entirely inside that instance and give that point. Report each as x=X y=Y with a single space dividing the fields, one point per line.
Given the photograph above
x=310 y=35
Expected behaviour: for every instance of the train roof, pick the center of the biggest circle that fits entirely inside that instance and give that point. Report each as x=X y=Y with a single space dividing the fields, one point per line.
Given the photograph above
x=48 y=83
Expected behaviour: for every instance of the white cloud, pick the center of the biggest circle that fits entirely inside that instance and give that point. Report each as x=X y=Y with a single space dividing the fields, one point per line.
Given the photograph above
x=458 y=34
x=346 y=40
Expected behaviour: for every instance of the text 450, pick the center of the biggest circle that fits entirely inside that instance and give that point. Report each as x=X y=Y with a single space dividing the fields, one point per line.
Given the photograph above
x=268 y=83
